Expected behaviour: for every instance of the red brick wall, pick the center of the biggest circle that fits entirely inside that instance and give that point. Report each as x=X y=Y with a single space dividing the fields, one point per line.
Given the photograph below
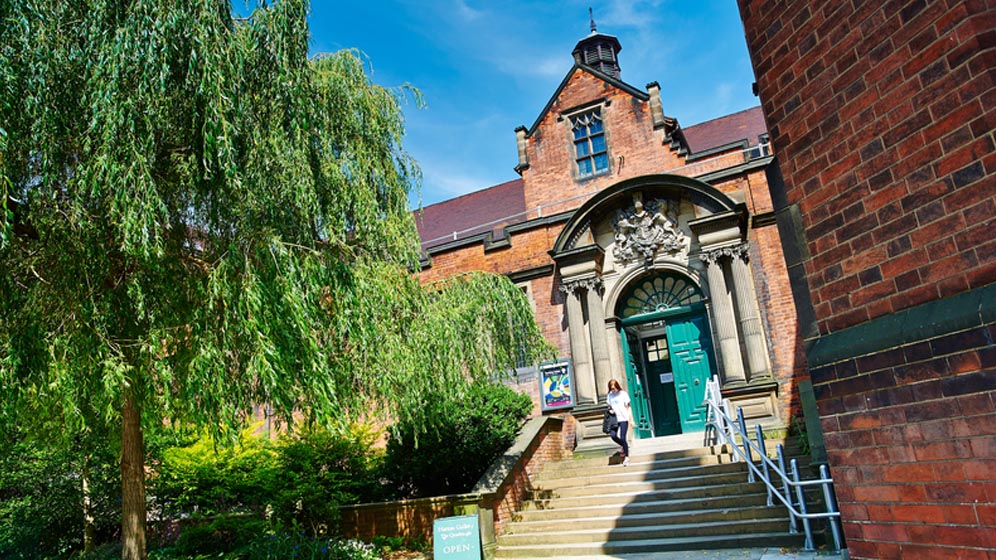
x=549 y=446
x=882 y=115
x=914 y=457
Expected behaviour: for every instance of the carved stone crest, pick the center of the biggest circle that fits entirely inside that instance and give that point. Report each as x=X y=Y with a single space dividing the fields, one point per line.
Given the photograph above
x=643 y=231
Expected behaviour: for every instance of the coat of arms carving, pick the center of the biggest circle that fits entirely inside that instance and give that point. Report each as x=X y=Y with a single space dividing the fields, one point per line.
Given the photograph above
x=643 y=231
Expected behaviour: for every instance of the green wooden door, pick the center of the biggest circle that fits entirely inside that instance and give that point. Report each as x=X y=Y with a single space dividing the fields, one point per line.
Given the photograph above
x=660 y=387
x=690 y=346
x=637 y=396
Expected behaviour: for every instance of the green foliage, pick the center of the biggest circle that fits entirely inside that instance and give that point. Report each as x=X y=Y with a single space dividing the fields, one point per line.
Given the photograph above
x=387 y=545
x=299 y=479
x=217 y=221
x=223 y=534
x=318 y=471
x=208 y=220
x=281 y=546
x=471 y=427
x=41 y=496
x=204 y=479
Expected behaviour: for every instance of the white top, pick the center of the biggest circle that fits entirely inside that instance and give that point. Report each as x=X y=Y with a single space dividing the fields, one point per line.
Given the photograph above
x=619 y=403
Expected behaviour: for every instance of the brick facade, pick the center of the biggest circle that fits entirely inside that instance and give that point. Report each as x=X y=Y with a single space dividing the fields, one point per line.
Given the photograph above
x=512 y=228
x=882 y=114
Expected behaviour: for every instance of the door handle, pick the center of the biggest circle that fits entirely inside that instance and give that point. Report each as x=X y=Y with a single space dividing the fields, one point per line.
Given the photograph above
x=696 y=381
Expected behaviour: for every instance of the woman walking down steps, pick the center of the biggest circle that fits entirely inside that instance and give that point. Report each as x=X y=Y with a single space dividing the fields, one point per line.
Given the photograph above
x=618 y=401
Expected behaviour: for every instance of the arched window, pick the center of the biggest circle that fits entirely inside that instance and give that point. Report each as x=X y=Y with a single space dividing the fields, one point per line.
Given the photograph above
x=660 y=292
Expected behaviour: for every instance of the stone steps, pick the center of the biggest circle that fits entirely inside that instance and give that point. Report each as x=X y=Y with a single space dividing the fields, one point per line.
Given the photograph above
x=673 y=496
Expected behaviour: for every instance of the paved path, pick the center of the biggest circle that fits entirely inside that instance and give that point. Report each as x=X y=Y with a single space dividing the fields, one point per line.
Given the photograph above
x=722 y=554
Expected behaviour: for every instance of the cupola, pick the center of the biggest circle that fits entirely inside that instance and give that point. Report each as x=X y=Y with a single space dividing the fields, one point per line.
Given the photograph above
x=599 y=51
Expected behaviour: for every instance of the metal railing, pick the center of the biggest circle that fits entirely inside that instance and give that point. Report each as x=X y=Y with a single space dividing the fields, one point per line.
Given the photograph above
x=780 y=482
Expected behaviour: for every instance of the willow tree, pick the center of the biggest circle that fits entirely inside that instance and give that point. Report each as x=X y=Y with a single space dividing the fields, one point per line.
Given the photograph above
x=199 y=219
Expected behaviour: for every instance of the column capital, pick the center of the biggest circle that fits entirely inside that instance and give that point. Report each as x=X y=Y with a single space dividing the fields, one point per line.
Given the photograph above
x=590 y=283
x=738 y=251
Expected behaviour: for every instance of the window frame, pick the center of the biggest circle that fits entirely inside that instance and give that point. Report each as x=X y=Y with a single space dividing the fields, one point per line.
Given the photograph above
x=583 y=117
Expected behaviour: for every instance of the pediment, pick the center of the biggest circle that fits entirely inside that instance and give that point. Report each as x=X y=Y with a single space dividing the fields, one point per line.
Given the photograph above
x=565 y=83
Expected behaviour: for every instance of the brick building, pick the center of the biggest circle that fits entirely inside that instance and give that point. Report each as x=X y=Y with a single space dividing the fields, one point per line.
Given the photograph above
x=883 y=118
x=649 y=252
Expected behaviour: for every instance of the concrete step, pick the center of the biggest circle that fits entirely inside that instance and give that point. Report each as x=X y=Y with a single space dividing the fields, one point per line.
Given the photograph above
x=646 y=507
x=646 y=531
x=607 y=521
x=597 y=486
x=635 y=495
x=606 y=463
x=676 y=494
x=644 y=546
x=638 y=472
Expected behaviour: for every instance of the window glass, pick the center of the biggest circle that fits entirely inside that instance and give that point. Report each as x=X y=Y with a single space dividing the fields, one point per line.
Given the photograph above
x=601 y=162
x=590 y=146
x=582 y=148
x=598 y=143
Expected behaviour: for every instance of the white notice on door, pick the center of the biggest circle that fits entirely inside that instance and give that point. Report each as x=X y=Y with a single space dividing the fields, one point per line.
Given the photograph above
x=667 y=378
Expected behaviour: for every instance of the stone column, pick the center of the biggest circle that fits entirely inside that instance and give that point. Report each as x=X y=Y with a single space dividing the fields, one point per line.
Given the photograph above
x=750 y=320
x=584 y=378
x=599 y=345
x=726 y=328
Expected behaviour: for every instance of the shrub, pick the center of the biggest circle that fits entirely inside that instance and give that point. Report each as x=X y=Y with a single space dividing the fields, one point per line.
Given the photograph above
x=319 y=471
x=300 y=479
x=290 y=545
x=222 y=534
x=41 y=497
x=470 y=430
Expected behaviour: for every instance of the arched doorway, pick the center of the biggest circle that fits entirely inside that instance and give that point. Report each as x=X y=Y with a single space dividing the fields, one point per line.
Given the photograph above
x=668 y=353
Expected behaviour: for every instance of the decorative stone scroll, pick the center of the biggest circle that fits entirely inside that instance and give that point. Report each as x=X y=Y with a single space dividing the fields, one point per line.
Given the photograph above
x=644 y=231
x=740 y=251
x=572 y=286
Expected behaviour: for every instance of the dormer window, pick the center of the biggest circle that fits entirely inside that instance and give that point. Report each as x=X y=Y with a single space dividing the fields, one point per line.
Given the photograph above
x=590 y=149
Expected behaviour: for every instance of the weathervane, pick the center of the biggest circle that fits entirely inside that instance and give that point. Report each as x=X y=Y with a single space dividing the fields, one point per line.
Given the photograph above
x=591 y=16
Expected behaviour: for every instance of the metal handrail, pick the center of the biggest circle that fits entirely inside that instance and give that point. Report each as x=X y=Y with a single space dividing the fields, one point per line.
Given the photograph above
x=727 y=431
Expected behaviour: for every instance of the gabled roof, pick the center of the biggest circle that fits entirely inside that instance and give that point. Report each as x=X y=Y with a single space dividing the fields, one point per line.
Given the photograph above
x=472 y=214
x=505 y=204
x=641 y=95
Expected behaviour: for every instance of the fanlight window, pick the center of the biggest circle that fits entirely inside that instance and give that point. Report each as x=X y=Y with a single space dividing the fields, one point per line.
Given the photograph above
x=660 y=293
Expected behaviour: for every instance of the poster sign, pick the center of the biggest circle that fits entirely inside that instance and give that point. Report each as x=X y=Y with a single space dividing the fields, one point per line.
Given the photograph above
x=556 y=385
x=456 y=538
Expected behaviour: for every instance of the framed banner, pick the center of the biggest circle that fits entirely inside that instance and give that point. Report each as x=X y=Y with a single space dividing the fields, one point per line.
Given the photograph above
x=456 y=538
x=556 y=380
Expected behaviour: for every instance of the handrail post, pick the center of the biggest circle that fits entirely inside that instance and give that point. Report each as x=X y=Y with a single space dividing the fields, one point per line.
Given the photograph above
x=793 y=524
x=831 y=502
x=764 y=463
x=802 y=507
x=731 y=431
x=746 y=443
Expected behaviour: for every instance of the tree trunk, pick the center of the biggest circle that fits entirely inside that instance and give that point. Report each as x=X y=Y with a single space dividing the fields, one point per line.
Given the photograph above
x=89 y=530
x=132 y=482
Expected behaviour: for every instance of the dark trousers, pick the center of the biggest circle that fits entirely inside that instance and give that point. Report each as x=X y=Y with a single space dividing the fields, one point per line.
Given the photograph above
x=618 y=435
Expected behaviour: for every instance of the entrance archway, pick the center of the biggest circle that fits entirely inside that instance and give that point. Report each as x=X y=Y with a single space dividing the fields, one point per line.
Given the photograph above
x=667 y=350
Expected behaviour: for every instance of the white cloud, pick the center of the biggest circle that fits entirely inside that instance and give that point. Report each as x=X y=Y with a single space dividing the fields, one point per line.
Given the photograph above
x=723 y=94
x=467 y=13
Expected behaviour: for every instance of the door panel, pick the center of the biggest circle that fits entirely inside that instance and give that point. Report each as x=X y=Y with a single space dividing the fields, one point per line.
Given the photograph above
x=691 y=347
x=637 y=396
x=660 y=386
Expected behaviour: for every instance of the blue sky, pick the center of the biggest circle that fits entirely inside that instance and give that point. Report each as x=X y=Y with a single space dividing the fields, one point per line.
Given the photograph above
x=486 y=67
